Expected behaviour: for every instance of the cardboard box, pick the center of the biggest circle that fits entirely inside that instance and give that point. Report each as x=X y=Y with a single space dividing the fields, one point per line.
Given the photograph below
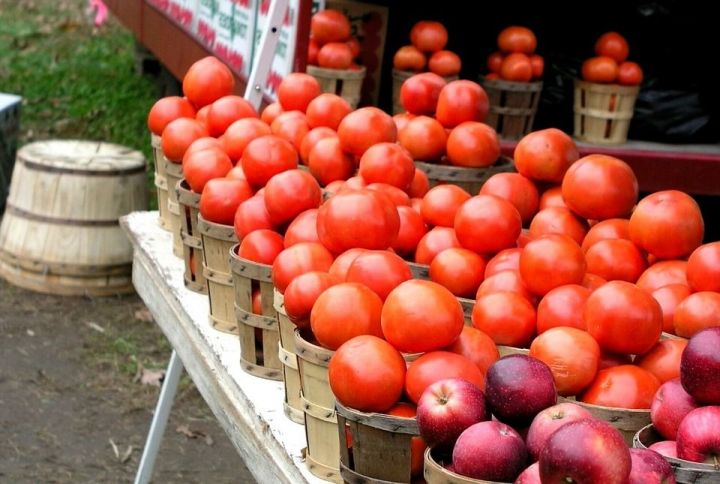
x=235 y=34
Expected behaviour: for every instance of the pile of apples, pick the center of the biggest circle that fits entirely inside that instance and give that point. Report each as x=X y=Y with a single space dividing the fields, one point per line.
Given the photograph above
x=516 y=59
x=332 y=45
x=427 y=50
x=610 y=66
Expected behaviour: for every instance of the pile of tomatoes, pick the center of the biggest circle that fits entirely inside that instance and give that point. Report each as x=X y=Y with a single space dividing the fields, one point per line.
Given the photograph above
x=610 y=65
x=332 y=45
x=427 y=51
x=516 y=59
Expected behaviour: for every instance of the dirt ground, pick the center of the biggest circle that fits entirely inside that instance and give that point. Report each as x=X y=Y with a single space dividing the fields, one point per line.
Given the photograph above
x=76 y=396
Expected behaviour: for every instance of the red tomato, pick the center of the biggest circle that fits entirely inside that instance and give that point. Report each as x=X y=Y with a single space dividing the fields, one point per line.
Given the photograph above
x=516 y=67
x=409 y=58
x=420 y=184
x=421 y=316
x=663 y=273
x=311 y=139
x=517 y=39
x=461 y=101
x=434 y=242
x=696 y=312
x=401 y=120
x=558 y=220
x=271 y=112
x=387 y=163
x=265 y=157
x=703 y=268
x=354 y=183
x=328 y=162
x=201 y=116
x=436 y=366
x=365 y=127
x=420 y=93
x=663 y=360
x=329 y=26
x=354 y=45
x=251 y=215
x=220 y=199
x=545 y=155
x=201 y=144
x=261 y=246
x=473 y=145
x=516 y=189
x=429 y=36
x=617 y=259
x=507 y=317
x=296 y=90
x=236 y=173
x=610 y=229
x=624 y=386
x=459 y=270
x=302 y=229
x=494 y=61
x=380 y=270
x=669 y=297
x=613 y=45
x=301 y=294
x=240 y=133
x=506 y=259
x=412 y=229
x=563 y=306
x=623 y=318
x=667 y=224
x=334 y=187
x=168 y=109
x=398 y=197
x=342 y=263
x=291 y=126
x=206 y=81
x=445 y=63
x=290 y=193
x=551 y=261
x=313 y=49
x=487 y=224
x=505 y=281
x=538 y=66
x=602 y=70
x=629 y=74
x=178 y=135
x=424 y=138
x=256 y=302
x=327 y=110
x=552 y=197
x=204 y=165
x=299 y=259
x=477 y=347
x=441 y=203
x=417 y=444
x=335 y=55
x=225 y=111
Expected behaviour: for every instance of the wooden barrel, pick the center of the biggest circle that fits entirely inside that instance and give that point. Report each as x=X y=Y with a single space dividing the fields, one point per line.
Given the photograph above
x=513 y=106
x=217 y=240
x=603 y=111
x=398 y=78
x=174 y=175
x=436 y=473
x=346 y=83
x=259 y=336
x=469 y=179
x=161 y=184
x=189 y=203
x=60 y=233
x=286 y=353
x=686 y=472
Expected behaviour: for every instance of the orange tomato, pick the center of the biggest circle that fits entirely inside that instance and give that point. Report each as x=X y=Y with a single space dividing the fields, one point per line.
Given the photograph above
x=623 y=386
x=562 y=306
x=552 y=197
x=429 y=36
x=296 y=90
x=516 y=67
x=178 y=135
x=669 y=297
x=206 y=81
x=613 y=45
x=459 y=270
x=473 y=144
x=551 y=261
x=424 y=138
x=696 y=312
x=409 y=58
x=602 y=70
x=517 y=39
x=476 y=346
x=445 y=63
x=545 y=155
x=271 y=112
x=663 y=360
x=168 y=109
x=507 y=317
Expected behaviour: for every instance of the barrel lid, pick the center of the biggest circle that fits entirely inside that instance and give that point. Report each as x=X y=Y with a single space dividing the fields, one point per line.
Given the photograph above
x=82 y=156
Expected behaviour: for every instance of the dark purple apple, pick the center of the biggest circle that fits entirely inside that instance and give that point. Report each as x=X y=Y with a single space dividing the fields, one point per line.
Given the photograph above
x=518 y=387
x=668 y=448
x=491 y=451
x=548 y=421
x=446 y=408
x=698 y=437
x=531 y=475
x=649 y=467
x=700 y=367
x=585 y=450
x=669 y=407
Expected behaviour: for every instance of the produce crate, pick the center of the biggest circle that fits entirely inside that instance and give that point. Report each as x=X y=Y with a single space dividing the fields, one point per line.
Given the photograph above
x=513 y=106
x=9 y=127
x=346 y=83
x=436 y=473
x=173 y=175
x=286 y=352
x=469 y=179
x=603 y=111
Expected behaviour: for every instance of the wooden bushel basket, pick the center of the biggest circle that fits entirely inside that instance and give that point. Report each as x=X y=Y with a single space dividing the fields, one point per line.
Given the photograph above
x=435 y=473
x=160 y=181
x=380 y=450
x=398 y=78
x=627 y=420
x=189 y=203
x=286 y=353
x=469 y=179
x=346 y=83
x=513 y=106
x=217 y=240
x=603 y=111
x=259 y=336
x=174 y=174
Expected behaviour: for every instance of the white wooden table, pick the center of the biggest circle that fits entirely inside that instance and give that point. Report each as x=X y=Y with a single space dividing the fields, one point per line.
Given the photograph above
x=248 y=408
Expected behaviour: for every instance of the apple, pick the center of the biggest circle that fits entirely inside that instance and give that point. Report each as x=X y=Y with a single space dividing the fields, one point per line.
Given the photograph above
x=518 y=387
x=649 y=467
x=585 y=450
x=548 y=421
x=446 y=408
x=491 y=451
x=669 y=407
x=531 y=475
x=698 y=437
x=700 y=367
x=668 y=448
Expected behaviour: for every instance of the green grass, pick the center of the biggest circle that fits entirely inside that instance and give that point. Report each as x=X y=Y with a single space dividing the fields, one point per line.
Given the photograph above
x=76 y=81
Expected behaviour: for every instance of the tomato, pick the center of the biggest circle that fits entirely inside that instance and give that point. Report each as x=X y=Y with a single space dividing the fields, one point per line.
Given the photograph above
x=220 y=199
x=669 y=297
x=256 y=301
x=312 y=54
x=516 y=67
x=342 y=263
x=617 y=259
x=603 y=70
x=329 y=26
x=461 y=101
x=551 y=261
x=436 y=366
x=608 y=360
x=558 y=220
x=379 y=270
x=271 y=112
x=473 y=144
x=624 y=386
x=696 y=312
x=494 y=61
x=236 y=173
x=328 y=162
x=310 y=139
x=206 y=81
x=505 y=281
x=401 y=120
x=562 y=306
x=409 y=58
x=290 y=193
x=362 y=218
x=251 y=215
x=417 y=444
x=429 y=36
x=552 y=197
x=445 y=63
x=506 y=259
x=265 y=157
x=609 y=229
x=421 y=316
x=507 y=317
x=327 y=110
x=354 y=183
x=367 y=374
x=420 y=184
x=667 y=224
x=334 y=187
x=441 y=203
x=545 y=155
x=299 y=259
x=296 y=90
x=476 y=346
x=178 y=135
x=166 y=110
x=302 y=229
x=412 y=229
x=663 y=360
x=225 y=111
x=599 y=187
x=629 y=74
x=420 y=93
x=354 y=45
x=261 y=246
x=663 y=273
x=335 y=55
x=623 y=318
x=387 y=163
x=434 y=242
x=201 y=116
x=516 y=189
x=301 y=294
x=703 y=269
x=291 y=126
x=199 y=167
x=572 y=355
x=240 y=133
x=517 y=39
x=537 y=63
x=613 y=45
x=459 y=270
x=487 y=224
x=365 y=127
x=424 y=138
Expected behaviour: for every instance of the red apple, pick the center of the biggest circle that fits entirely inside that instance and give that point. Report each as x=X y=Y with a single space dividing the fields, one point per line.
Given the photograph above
x=518 y=387
x=446 y=408
x=491 y=451
x=649 y=467
x=531 y=475
x=669 y=407
x=700 y=367
x=698 y=437
x=585 y=451
x=668 y=448
x=548 y=421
